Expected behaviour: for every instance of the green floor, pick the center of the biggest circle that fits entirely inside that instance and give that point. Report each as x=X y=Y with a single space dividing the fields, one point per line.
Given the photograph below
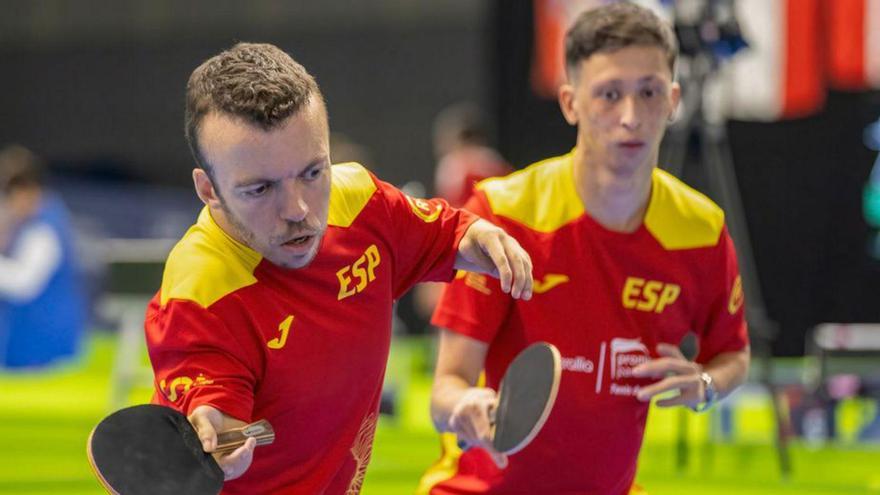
x=45 y=419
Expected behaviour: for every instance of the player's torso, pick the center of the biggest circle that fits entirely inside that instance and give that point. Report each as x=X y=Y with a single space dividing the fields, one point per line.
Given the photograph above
x=605 y=300
x=325 y=331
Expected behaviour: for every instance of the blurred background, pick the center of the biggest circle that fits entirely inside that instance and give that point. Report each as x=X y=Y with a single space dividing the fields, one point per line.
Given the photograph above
x=780 y=126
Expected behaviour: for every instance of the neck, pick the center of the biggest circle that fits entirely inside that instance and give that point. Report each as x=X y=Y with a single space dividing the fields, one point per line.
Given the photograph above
x=226 y=224
x=616 y=199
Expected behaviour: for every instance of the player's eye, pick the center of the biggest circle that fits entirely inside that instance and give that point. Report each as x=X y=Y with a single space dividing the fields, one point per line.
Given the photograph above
x=610 y=95
x=257 y=191
x=313 y=173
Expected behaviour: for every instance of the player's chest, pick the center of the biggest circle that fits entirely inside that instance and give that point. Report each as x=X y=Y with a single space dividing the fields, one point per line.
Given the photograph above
x=606 y=310
x=592 y=294
x=336 y=313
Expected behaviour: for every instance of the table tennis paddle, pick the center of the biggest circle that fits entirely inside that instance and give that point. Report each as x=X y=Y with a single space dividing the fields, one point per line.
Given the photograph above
x=525 y=399
x=151 y=449
x=527 y=394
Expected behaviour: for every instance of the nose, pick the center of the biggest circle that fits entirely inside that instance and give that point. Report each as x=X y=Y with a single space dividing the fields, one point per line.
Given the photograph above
x=629 y=117
x=294 y=207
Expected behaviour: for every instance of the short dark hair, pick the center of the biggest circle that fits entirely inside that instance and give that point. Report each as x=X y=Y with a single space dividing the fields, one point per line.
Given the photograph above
x=19 y=168
x=615 y=26
x=256 y=82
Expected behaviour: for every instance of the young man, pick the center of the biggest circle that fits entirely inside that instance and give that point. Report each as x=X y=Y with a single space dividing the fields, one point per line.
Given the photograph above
x=42 y=301
x=276 y=304
x=628 y=260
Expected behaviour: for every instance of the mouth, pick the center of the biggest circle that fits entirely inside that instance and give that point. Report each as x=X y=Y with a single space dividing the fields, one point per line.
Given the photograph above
x=631 y=145
x=299 y=240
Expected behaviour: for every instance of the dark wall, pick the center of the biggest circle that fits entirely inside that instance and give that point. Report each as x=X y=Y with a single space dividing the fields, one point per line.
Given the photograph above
x=120 y=100
x=801 y=184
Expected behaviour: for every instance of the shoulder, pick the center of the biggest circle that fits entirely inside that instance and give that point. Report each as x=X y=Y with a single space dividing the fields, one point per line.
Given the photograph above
x=680 y=217
x=541 y=196
x=351 y=188
x=207 y=265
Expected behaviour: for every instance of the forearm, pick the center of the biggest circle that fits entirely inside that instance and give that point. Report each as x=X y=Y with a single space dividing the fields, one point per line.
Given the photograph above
x=459 y=362
x=446 y=393
x=728 y=370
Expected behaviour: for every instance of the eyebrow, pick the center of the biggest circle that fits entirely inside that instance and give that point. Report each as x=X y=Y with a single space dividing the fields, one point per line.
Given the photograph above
x=252 y=181
x=649 y=78
x=643 y=79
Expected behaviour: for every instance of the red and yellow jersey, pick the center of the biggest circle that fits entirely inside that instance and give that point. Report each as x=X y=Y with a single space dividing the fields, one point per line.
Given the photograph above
x=305 y=349
x=605 y=299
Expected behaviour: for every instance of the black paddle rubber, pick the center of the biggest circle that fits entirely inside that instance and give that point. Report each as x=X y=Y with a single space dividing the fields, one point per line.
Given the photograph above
x=528 y=391
x=152 y=450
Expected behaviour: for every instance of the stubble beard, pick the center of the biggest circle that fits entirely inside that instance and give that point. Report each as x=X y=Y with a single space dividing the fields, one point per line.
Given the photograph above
x=248 y=237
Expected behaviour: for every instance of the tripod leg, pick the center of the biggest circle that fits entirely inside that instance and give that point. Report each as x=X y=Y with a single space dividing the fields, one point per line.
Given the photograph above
x=718 y=161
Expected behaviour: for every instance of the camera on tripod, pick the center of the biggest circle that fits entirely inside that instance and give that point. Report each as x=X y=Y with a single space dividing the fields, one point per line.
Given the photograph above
x=706 y=27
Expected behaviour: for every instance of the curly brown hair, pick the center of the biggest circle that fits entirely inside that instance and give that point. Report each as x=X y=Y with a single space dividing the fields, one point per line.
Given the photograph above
x=257 y=82
x=615 y=26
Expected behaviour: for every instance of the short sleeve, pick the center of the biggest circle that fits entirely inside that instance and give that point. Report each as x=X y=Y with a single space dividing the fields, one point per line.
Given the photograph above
x=425 y=235
x=197 y=360
x=724 y=326
x=473 y=304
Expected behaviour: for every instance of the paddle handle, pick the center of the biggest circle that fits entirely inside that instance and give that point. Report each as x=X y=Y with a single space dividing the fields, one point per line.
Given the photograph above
x=229 y=440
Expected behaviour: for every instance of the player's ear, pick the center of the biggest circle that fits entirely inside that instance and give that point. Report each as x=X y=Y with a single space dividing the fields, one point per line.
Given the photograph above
x=566 y=103
x=205 y=188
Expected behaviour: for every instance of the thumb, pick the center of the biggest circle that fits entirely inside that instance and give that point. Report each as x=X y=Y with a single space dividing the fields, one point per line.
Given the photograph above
x=205 y=429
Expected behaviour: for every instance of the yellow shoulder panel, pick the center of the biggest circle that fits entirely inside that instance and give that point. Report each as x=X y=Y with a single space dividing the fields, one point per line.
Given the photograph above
x=542 y=196
x=679 y=217
x=350 y=189
x=207 y=264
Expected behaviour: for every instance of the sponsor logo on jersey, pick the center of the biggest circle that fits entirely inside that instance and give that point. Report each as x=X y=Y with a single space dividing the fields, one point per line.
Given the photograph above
x=177 y=387
x=549 y=281
x=626 y=354
x=428 y=212
x=476 y=281
x=283 y=331
x=736 y=296
x=578 y=364
x=623 y=355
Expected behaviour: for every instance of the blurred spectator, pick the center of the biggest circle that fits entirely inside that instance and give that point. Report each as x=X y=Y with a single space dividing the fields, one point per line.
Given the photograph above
x=461 y=146
x=42 y=311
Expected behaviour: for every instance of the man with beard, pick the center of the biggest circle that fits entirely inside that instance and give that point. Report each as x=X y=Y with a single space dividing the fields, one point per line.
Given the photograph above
x=277 y=303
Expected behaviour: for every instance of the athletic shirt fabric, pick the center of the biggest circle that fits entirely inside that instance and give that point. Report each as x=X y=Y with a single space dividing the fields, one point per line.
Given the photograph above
x=305 y=349
x=605 y=299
